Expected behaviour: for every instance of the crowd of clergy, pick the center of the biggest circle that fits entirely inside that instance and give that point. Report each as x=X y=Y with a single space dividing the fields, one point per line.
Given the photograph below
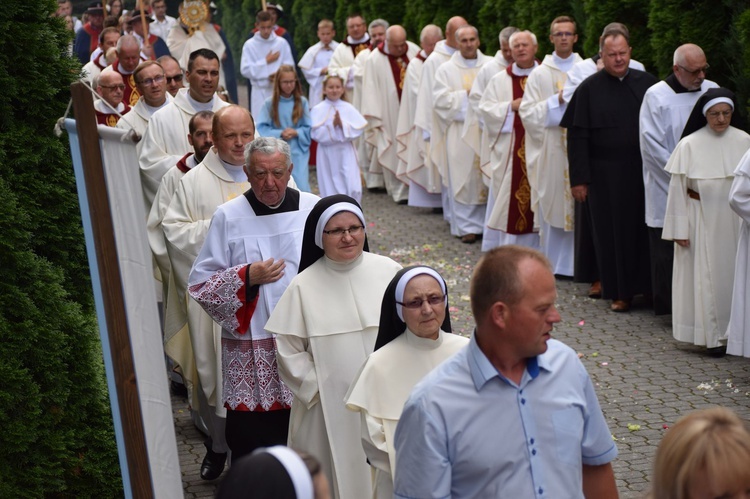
x=638 y=186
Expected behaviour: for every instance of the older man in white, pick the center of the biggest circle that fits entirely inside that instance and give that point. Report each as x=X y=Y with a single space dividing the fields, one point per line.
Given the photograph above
x=261 y=57
x=385 y=71
x=166 y=141
x=458 y=164
x=541 y=110
x=421 y=169
x=407 y=141
x=315 y=61
x=342 y=60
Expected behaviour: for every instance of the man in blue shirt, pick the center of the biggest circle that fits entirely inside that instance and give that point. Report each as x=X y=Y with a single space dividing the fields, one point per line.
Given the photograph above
x=514 y=414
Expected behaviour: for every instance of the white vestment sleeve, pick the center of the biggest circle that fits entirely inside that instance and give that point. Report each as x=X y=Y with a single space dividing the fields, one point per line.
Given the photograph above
x=297 y=368
x=676 y=223
x=739 y=196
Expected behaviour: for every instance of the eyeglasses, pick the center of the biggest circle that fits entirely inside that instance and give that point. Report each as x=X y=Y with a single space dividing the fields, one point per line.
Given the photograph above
x=352 y=231
x=695 y=72
x=263 y=174
x=418 y=302
x=119 y=86
x=150 y=81
x=561 y=34
x=177 y=78
x=716 y=114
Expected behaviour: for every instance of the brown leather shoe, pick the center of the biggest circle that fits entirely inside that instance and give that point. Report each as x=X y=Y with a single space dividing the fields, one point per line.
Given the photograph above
x=595 y=291
x=620 y=305
x=469 y=238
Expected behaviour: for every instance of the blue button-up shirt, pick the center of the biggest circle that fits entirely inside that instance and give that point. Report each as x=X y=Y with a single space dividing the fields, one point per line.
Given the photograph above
x=467 y=431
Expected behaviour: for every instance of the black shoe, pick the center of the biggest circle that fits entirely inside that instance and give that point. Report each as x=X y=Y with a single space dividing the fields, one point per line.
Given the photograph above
x=717 y=352
x=179 y=390
x=213 y=465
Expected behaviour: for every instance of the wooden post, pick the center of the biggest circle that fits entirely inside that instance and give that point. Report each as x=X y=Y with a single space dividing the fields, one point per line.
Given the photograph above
x=145 y=29
x=114 y=303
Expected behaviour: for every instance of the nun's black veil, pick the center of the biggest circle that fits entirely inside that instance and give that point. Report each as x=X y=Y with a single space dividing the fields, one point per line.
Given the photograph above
x=697 y=119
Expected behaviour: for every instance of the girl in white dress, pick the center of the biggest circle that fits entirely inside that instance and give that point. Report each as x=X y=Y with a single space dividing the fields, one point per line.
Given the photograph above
x=336 y=124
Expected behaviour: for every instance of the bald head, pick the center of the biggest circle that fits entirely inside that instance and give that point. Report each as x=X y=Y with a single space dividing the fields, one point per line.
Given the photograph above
x=430 y=35
x=450 y=30
x=690 y=66
x=231 y=130
x=395 y=38
x=110 y=87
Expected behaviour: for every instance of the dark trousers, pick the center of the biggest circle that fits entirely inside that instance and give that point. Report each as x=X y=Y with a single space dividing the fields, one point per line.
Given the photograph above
x=247 y=431
x=662 y=261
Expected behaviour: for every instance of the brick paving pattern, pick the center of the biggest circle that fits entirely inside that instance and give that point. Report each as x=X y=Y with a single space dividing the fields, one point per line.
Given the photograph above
x=644 y=379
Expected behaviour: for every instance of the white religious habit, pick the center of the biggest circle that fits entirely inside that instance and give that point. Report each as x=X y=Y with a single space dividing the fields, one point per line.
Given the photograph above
x=337 y=168
x=244 y=231
x=165 y=141
x=326 y=325
x=137 y=119
x=315 y=59
x=702 y=167
x=738 y=331
x=254 y=67
x=664 y=113
x=547 y=160
x=368 y=165
x=342 y=61
x=181 y=44
x=456 y=160
x=186 y=221
x=509 y=217
x=420 y=168
x=381 y=388
x=383 y=86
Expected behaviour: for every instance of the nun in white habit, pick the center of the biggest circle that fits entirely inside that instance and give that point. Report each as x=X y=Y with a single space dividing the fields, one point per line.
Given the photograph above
x=414 y=338
x=326 y=325
x=701 y=223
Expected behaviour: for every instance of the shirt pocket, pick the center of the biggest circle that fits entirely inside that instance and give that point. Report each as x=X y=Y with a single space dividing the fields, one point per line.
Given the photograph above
x=568 y=425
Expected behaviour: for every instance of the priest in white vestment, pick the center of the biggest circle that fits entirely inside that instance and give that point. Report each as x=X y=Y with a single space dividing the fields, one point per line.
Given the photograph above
x=407 y=141
x=326 y=325
x=166 y=140
x=738 y=331
x=541 y=110
x=342 y=60
x=315 y=61
x=250 y=255
x=385 y=72
x=219 y=178
x=664 y=112
x=413 y=338
x=261 y=57
x=420 y=169
x=456 y=160
x=701 y=223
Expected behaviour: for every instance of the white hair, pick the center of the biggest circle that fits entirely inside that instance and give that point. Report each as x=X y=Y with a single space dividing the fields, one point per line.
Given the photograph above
x=517 y=33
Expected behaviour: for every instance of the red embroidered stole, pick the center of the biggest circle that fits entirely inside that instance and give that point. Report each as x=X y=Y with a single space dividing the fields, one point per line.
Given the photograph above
x=107 y=119
x=182 y=163
x=131 y=94
x=520 y=216
x=398 y=68
x=421 y=57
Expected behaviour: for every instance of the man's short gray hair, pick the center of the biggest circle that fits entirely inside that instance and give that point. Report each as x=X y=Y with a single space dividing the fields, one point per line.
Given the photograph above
x=524 y=32
x=505 y=33
x=378 y=22
x=430 y=30
x=268 y=146
x=126 y=40
x=465 y=26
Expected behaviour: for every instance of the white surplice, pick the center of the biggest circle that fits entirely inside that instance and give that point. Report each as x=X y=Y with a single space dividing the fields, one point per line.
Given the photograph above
x=181 y=45
x=337 y=167
x=738 y=332
x=341 y=64
x=254 y=67
x=703 y=272
x=315 y=59
x=380 y=390
x=165 y=141
x=326 y=325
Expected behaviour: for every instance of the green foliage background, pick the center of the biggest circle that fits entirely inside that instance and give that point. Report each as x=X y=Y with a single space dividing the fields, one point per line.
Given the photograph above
x=57 y=438
x=657 y=27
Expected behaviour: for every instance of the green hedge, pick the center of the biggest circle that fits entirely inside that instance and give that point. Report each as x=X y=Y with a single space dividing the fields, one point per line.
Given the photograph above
x=57 y=438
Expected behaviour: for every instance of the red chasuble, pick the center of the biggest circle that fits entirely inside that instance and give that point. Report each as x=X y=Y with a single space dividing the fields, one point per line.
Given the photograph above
x=131 y=94
x=520 y=216
x=398 y=68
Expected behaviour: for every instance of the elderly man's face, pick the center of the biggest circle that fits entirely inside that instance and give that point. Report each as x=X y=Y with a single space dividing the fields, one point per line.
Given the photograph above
x=616 y=55
x=428 y=44
x=200 y=139
x=397 y=44
x=152 y=85
x=356 y=27
x=203 y=79
x=130 y=56
x=111 y=88
x=692 y=73
x=234 y=131
x=269 y=176
x=523 y=48
x=377 y=35
x=506 y=51
x=468 y=42
x=173 y=75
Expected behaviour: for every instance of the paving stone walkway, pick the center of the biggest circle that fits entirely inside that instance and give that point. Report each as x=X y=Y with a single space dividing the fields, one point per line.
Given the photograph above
x=644 y=379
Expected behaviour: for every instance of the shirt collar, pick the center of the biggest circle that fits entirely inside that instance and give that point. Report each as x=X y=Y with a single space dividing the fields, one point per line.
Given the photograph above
x=482 y=370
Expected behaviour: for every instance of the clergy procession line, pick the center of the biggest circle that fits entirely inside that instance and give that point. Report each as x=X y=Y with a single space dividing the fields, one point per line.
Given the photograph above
x=274 y=302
